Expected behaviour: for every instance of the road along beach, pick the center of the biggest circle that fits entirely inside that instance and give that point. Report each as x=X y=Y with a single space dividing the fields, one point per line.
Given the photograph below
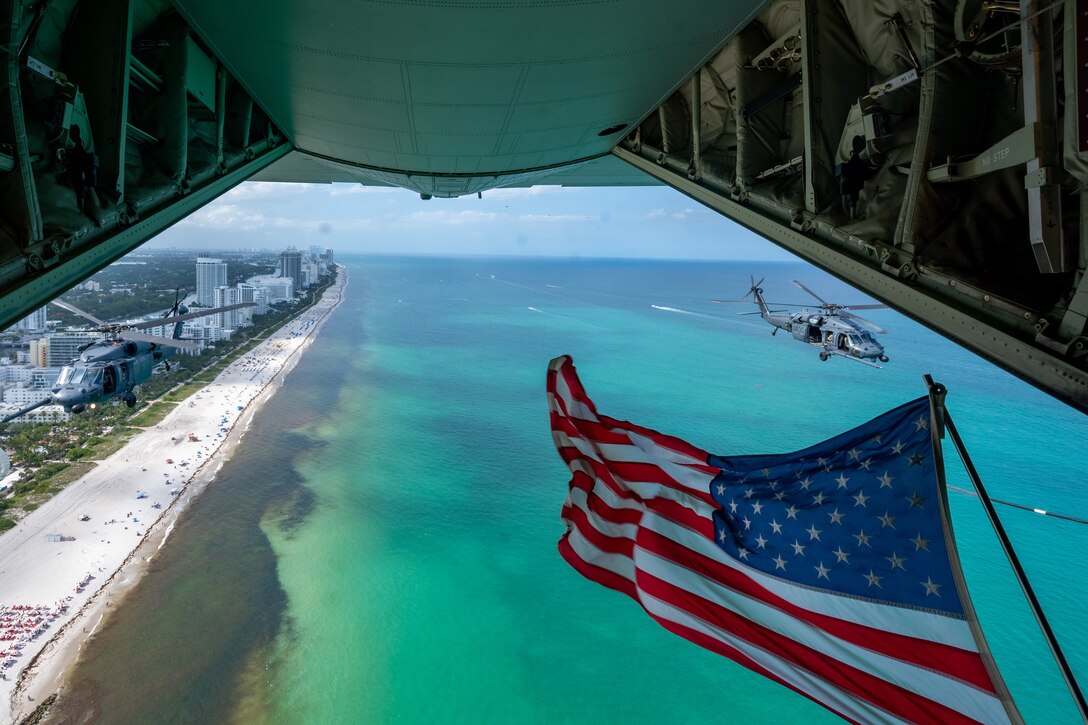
x=68 y=563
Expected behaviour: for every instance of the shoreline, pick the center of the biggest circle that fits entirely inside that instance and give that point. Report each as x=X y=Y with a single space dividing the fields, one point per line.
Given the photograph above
x=36 y=571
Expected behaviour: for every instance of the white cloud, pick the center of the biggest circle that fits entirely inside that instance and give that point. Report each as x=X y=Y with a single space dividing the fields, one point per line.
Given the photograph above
x=658 y=213
x=552 y=218
x=453 y=218
x=683 y=214
x=225 y=216
x=346 y=189
x=521 y=193
x=259 y=190
x=235 y=217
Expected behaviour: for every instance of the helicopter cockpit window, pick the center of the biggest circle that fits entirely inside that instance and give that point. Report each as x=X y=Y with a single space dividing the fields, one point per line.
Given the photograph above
x=858 y=340
x=66 y=374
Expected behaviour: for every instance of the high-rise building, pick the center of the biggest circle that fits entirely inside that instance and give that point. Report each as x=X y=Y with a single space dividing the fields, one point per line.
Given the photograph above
x=63 y=349
x=257 y=295
x=232 y=319
x=328 y=258
x=280 y=289
x=210 y=273
x=291 y=266
x=39 y=352
x=34 y=322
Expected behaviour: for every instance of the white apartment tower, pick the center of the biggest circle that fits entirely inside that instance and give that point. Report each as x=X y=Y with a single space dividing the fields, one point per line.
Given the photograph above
x=34 y=322
x=210 y=274
x=232 y=319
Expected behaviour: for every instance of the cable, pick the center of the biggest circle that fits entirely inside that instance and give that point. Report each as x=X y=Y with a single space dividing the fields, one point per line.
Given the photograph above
x=1075 y=519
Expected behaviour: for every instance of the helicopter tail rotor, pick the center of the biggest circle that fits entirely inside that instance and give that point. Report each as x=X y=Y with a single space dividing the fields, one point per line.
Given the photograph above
x=177 y=303
x=755 y=285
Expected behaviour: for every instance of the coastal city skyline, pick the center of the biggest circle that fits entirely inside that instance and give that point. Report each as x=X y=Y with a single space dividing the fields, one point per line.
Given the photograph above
x=36 y=349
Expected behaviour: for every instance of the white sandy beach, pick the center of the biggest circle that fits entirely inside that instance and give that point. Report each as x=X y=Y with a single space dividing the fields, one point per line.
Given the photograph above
x=40 y=578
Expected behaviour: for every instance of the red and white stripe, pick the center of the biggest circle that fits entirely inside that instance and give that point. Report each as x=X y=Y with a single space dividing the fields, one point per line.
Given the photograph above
x=639 y=521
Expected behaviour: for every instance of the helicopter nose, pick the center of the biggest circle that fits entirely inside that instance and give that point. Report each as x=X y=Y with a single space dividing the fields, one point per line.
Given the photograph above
x=67 y=396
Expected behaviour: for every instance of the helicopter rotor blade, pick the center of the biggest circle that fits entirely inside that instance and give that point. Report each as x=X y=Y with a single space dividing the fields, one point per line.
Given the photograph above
x=76 y=311
x=188 y=316
x=864 y=323
x=164 y=341
x=748 y=302
x=806 y=289
x=864 y=307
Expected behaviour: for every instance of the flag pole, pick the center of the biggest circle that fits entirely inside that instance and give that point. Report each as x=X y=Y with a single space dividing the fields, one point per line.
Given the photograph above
x=937 y=392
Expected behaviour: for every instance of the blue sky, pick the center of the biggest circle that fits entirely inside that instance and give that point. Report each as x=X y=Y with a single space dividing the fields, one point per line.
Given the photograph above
x=643 y=222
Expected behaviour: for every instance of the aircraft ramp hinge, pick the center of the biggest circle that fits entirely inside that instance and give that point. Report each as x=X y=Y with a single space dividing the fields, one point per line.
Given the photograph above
x=1079 y=347
x=1074 y=348
x=45 y=254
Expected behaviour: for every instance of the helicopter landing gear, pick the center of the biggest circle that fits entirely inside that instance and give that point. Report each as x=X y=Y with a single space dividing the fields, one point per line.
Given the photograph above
x=883 y=358
x=130 y=400
x=824 y=356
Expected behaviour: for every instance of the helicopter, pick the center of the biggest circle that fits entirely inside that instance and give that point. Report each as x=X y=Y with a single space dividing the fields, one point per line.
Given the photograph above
x=113 y=366
x=832 y=328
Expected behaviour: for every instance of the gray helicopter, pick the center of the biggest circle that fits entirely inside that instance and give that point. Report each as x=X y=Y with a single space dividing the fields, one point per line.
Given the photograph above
x=113 y=366
x=831 y=328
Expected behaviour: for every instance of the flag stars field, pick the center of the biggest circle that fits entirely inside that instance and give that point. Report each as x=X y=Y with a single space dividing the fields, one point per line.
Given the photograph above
x=931 y=587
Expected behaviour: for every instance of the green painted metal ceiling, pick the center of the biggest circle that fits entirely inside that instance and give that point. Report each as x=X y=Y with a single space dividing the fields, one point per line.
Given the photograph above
x=470 y=91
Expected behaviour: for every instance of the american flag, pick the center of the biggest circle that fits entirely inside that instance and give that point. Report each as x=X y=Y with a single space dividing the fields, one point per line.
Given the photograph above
x=832 y=570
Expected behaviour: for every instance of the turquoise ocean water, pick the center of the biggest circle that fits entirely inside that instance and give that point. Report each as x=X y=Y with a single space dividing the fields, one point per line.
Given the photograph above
x=382 y=546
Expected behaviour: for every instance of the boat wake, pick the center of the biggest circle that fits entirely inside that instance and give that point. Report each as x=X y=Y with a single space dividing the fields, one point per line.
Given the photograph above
x=679 y=311
x=716 y=318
